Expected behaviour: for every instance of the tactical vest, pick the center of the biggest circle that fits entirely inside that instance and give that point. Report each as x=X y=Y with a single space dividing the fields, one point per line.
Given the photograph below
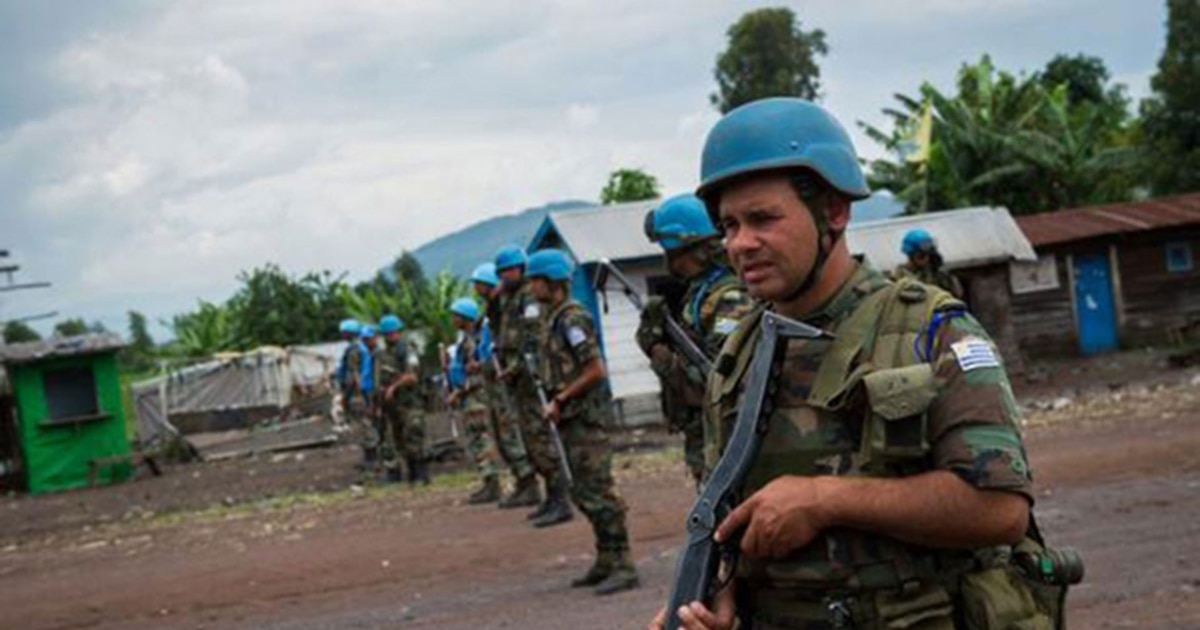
x=559 y=365
x=874 y=368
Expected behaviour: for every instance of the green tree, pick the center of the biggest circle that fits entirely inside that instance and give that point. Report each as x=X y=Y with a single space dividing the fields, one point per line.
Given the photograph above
x=19 y=332
x=273 y=308
x=72 y=327
x=1171 y=117
x=629 y=184
x=407 y=270
x=204 y=331
x=768 y=54
x=424 y=307
x=1004 y=140
x=139 y=355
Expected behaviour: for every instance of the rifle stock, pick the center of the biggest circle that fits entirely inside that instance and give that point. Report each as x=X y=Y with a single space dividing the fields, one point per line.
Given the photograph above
x=700 y=559
x=682 y=342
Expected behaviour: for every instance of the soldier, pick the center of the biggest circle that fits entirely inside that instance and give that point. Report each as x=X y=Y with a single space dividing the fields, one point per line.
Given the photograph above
x=368 y=417
x=403 y=419
x=925 y=263
x=349 y=370
x=507 y=432
x=714 y=302
x=467 y=375
x=520 y=317
x=580 y=404
x=892 y=480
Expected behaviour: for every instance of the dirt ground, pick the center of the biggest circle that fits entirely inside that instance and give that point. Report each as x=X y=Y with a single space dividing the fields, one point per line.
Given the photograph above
x=287 y=541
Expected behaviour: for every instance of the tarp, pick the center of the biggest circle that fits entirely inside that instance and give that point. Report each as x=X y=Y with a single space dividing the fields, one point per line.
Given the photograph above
x=266 y=377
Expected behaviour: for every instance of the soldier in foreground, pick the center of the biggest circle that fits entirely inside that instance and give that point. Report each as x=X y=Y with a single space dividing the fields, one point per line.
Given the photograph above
x=892 y=483
x=579 y=402
x=714 y=302
x=469 y=396
x=925 y=263
x=504 y=427
x=403 y=420
x=517 y=335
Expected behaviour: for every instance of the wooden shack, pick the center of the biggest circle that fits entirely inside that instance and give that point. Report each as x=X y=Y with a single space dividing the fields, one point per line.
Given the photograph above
x=1107 y=277
x=69 y=422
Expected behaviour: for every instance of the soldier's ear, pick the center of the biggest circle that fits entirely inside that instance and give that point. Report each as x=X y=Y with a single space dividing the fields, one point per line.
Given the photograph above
x=838 y=212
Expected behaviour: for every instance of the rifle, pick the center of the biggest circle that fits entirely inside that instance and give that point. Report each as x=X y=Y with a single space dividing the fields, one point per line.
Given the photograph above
x=696 y=572
x=563 y=465
x=679 y=337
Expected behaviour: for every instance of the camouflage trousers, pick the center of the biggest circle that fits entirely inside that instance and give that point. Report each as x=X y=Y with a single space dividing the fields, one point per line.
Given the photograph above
x=594 y=492
x=526 y=408
x=480 y=446
x=508 y=435
x=690 y=421
x=402 y=434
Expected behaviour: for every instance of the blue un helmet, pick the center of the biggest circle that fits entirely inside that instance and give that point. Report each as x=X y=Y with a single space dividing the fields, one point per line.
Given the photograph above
x=679 y=222
x=778 y=133
x=552 y=264
x=368 y=332
x=466 y=308
x=917 y=240
x=510 y=256
x=350 y=327
x=486 y=273
x=390 y=324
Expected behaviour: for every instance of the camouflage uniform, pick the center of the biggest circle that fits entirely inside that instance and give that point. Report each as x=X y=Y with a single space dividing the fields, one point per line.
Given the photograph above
x=403 y=419
x=474 y=404
x=712 y=306
x=935 y=278
x=517 y=334
x=507 y=432
x=839 y=410
x=569 y=343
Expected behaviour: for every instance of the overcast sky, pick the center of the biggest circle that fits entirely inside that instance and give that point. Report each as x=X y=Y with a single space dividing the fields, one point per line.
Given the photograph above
x=151 y=150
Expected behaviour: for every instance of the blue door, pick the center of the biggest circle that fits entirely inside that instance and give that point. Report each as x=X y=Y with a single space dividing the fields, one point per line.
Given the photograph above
x=1094 y=304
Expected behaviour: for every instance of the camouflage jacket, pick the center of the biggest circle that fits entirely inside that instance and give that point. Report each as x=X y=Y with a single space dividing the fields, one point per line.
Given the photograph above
x=391 y=363
x=568 y=343
x=911 y=383
x=940 y=278
x=712 y=307
x=519 y=325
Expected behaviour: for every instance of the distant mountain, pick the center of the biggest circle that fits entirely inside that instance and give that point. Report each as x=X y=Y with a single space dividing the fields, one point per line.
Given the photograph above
x=460 y=252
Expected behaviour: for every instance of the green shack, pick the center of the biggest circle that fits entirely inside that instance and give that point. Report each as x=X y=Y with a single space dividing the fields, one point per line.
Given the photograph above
x=65 y=413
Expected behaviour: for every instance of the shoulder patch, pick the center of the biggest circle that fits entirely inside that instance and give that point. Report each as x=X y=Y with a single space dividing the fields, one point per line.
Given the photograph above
x=576 y=336
x=974 y=353
x=724 y=325
x=733 y=295
x=912 y=293
x=532 y=311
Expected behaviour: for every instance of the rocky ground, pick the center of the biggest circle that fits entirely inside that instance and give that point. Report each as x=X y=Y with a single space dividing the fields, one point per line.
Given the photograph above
x=290 y=541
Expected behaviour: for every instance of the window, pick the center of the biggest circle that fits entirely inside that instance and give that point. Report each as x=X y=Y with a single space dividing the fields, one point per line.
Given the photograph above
x=1179 y=257
x=70 y=393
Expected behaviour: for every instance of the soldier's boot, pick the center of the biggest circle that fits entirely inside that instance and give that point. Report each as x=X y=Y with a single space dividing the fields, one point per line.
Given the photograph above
x=395 y=474
x=370 y=457
x=524 y=495
x=624 y=577
x=488 y=493
x=558 y=509
x=600 y=569
x=542 y=507
x=419 y=471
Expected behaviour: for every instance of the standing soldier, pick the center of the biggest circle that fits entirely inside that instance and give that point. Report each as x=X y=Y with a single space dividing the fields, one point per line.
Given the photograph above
x=714 y=302
x=892 y=483
x=925 y=263
x=403 y=426
x=520 y=326
x=368 y=419
x=469 y=396
x=349 y=371
x=580 y=404
x=506 y=430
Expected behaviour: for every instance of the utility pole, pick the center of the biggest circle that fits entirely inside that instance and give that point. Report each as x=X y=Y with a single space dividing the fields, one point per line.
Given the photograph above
x=8 y=269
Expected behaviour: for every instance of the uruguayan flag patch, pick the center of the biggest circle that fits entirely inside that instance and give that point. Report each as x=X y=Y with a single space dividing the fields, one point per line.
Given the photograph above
x=725 y=325
x=576 y=336
x=974 y=353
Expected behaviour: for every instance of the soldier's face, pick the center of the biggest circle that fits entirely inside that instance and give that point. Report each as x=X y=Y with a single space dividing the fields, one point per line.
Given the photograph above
x=770 y=235
x=483 y=290
x=511 y=276
x=540 y=289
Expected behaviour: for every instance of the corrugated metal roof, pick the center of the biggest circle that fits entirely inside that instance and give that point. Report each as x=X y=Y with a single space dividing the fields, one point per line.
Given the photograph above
x=60 y=347
x=970 y=237
x=1076 y=224
x=966 y=238
x=614 y=232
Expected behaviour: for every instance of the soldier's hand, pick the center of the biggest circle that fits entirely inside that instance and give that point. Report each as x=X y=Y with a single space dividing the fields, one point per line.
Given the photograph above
x=697 y=616
x=552 y=411
x=782 y=516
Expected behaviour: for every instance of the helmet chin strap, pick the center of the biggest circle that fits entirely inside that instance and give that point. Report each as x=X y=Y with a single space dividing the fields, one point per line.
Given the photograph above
x=818 y=264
